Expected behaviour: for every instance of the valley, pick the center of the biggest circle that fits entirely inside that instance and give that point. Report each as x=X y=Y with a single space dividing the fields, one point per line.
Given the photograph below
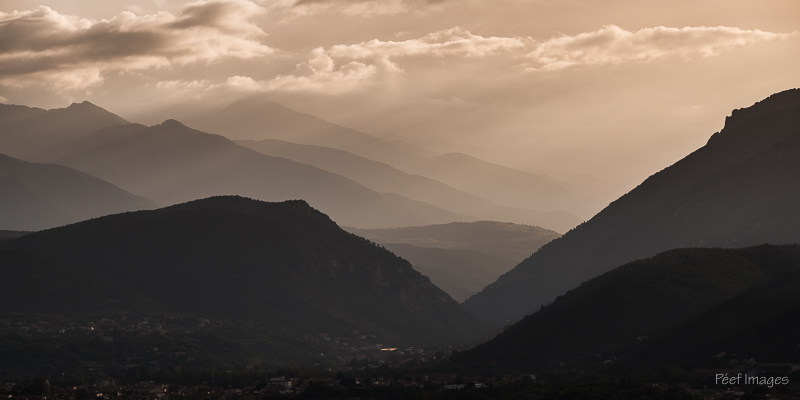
x=399 y=200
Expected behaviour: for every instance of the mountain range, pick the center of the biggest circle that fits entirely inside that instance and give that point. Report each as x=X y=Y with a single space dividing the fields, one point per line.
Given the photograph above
x=37 y=196
x=684 y=307
x=33 y=134
x=664 y=274
x=383 y=178
x=285 y=267
x=740 y=189
x=503 y=185
x=170 y=163
x=255 y=119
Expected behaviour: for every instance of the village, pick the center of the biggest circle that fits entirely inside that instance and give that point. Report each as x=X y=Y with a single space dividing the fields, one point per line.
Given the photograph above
x=357 y=350
x=438 y=385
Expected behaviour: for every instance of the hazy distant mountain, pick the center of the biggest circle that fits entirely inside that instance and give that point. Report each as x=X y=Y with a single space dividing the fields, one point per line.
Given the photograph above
x=32 y=133
x=285 y=267
x=601 y=190
x=257 y=119
x=422 y=210
x=682 y=306
x=375 y=175
x=740 y=189
x=504 y=185
x=383 y=178
x=499 y=239
x=459 y=272
x=170 y=163
x=462 y=258
x=40 y=196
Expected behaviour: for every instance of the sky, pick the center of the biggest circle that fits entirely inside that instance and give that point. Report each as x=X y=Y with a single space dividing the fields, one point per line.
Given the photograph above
x=613 y=90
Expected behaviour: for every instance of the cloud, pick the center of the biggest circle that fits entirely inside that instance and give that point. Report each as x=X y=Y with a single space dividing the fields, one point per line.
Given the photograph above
x=362 y=8
x=349 y=68
x=366 y=64
x=179 y=85
x=355 y=8
x=614 y=45
x=317 y=75
x=451 y=42
x=43 y=47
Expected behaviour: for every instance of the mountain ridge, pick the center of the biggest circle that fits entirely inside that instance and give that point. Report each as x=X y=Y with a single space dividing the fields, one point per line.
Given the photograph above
x=261 y=119
x=600 y=244
x=170 y=163
x=232 y=257
x=257 y=118
x=503 y=185
x=462 y=257
x=37 y=196
x=383 y=178
x=28 y=132
x=676 y=307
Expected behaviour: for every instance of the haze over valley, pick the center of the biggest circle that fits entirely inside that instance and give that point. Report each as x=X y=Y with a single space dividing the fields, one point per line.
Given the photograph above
x=390 y=199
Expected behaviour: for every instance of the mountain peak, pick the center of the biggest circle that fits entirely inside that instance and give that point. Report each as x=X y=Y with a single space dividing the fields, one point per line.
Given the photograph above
x=782 y=107
x=87 y=109
x=730 y=193
x=171 y=123
x=86 y=105
x=776 y=102
x=286 y=264
x=236 y=200
x=288 y=209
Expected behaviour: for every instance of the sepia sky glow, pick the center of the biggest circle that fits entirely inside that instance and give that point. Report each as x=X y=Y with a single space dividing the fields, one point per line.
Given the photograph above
x=614 y=89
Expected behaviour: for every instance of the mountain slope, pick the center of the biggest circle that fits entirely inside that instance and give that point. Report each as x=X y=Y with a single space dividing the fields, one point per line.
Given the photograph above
x=460 y=257
x=257 y=119
x=738 y=190
x=29 y=133
x=498 y=239
x=285 y=265
x=761 y=323
x=383 y=178
x=503 y=185
x=459 y=272
x=170 y=163
x=40 y=196
x=689 y=303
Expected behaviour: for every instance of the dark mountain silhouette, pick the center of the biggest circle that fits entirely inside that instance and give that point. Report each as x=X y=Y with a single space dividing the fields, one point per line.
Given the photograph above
x=170 y=163
x=283 y=266
x=384 y=178
x=761 y=323
x=40 y=196
x=504 y=185
x=460 y=257
x=682 y=306
x=257 y=118
x=4 y=234
x=740 y=189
